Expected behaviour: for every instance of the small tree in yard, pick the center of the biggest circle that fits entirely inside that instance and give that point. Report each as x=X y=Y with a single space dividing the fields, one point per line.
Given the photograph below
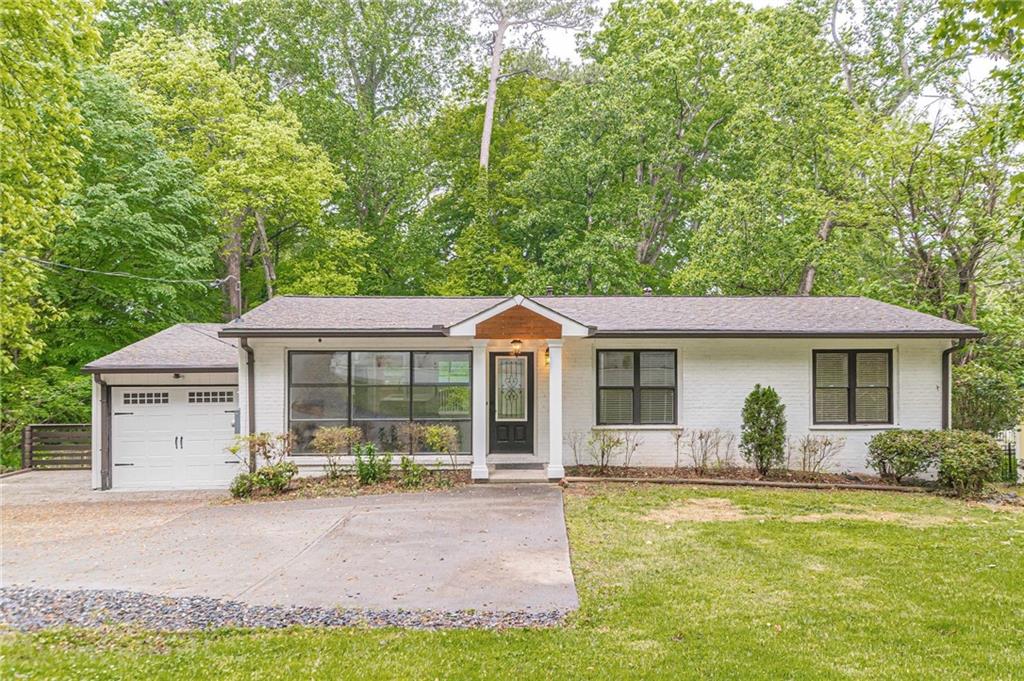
x=763 y=438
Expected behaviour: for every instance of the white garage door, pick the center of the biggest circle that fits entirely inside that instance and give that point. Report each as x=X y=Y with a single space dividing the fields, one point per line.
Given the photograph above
x=173 y=438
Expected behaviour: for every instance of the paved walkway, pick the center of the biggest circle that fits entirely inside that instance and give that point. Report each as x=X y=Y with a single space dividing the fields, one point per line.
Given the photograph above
x=481 y=547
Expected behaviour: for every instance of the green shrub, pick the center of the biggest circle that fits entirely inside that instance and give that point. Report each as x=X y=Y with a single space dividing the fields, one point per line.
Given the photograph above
x=763 y=437
x=371 y=467
x=412 y=472
x=441 y=438
x=274 y=478
x=898 y=454
x=968 y=459
x=333 y=441
x=241 y=486
x=985 y=399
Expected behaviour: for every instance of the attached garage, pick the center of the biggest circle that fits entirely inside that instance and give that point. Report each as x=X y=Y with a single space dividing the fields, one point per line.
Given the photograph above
x=165 y=411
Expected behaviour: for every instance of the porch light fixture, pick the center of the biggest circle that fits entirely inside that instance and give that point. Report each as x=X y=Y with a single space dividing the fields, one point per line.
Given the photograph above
x=547 y=357
x=517 y=346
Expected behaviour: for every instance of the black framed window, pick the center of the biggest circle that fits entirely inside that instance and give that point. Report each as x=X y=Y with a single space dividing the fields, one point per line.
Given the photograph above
x=636 y=387
x=379 y=391
x=852 y=386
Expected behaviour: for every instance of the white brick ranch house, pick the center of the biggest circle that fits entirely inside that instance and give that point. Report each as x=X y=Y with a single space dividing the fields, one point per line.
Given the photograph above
x=519 y=377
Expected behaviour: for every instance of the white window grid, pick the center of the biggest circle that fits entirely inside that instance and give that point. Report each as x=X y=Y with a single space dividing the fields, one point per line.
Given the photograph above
x=146 y=398
x=211 y=396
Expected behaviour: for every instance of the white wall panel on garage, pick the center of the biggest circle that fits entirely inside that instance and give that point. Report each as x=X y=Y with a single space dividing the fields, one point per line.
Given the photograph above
x=173 y=437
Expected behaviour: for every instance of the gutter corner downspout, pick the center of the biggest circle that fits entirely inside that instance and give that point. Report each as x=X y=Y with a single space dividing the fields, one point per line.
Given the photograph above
x=106 y=464
x=947 y=381
x=250 y=392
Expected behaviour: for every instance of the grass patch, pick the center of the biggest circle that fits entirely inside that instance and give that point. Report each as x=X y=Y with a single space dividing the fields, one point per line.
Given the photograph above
x=794 y=584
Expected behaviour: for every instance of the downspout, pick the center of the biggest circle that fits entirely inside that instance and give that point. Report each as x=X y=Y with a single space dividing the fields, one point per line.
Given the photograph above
x=106 y=481
x=947 y=381
x=250 y=391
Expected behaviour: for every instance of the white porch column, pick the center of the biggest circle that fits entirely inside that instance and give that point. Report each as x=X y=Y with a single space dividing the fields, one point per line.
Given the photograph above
x=556 y=471
x=479 y=471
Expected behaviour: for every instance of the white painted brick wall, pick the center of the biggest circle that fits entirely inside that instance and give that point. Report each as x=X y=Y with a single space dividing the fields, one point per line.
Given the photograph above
x=714 y=377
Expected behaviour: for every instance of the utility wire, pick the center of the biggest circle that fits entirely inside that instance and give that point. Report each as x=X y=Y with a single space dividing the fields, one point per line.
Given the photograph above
x=125 y=275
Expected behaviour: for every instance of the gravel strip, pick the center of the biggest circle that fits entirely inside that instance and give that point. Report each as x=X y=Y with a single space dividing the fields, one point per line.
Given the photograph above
x=30 y=609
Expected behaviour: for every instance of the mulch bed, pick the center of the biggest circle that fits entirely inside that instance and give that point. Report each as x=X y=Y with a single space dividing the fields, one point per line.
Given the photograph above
x=348 y=486
x=734 y=477
x=734 y=473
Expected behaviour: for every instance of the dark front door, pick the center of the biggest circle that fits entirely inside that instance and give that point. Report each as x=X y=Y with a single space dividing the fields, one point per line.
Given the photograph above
x=511 y=412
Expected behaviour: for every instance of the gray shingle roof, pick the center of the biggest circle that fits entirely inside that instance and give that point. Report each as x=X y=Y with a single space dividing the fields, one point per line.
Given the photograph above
x=767 y=315
x=607 y=315
x=182 y=347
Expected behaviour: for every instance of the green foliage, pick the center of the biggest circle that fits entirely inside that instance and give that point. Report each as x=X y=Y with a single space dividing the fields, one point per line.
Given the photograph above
x=274 y=478
x=50 y=394
x=965 y=459
x=42 y=45
x=986 y=399
x=139 y=212
x=263 y=180
x=411 y=473
x=899 y=454
x=968 y=460
x=371 y=467
x=441 y=438
x=242 y=486
x=763 y=433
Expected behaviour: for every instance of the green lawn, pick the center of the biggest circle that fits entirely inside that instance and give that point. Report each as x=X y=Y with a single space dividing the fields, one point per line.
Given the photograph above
x=798 y=584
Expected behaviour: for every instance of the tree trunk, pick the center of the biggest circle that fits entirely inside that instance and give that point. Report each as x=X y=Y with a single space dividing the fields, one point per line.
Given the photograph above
x=811 y=269
x=492 y=92
x=232 y=256
x=269 y=274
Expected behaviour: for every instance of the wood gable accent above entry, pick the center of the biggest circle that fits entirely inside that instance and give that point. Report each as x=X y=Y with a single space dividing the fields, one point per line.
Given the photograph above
x=518 y=322
x=519 y=317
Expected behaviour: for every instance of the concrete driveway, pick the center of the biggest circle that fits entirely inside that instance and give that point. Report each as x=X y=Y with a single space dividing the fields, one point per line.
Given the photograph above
x=484 y=547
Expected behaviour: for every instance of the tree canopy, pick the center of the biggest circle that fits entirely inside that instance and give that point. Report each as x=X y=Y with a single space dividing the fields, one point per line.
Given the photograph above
x=188 y=159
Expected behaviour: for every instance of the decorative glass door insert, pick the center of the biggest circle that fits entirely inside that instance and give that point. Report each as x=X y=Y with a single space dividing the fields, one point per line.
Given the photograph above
x=510 y=394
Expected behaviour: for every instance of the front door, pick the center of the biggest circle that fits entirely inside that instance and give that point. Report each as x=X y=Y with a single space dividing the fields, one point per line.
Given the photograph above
x=511 y=412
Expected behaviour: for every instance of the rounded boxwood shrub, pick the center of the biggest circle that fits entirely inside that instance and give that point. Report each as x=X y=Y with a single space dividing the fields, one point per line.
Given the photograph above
x=899 y=454
x=968 y=459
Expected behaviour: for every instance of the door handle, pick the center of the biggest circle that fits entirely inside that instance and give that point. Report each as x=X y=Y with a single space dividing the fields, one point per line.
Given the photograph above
x=177 y=444
x=181 y=442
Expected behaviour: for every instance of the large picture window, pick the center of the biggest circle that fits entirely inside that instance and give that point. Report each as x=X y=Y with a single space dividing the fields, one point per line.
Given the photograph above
x=381 y=392
x=852 y=386
x=636 y=387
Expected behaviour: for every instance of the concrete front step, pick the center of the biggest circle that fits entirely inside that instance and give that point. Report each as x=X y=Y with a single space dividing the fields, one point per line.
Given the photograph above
x=517 y=475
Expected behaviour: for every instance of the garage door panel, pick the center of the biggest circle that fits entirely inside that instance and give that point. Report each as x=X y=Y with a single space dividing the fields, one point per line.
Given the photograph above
x=173 y=438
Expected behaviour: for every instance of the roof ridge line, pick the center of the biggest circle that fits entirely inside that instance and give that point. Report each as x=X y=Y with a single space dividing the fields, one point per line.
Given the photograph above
x=191 y=327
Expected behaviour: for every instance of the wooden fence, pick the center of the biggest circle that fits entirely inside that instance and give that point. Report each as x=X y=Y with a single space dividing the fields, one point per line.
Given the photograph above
x=63 y=446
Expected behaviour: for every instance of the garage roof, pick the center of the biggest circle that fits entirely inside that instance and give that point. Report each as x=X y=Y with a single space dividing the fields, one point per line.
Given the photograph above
x=181 y=348
x=710 y=316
